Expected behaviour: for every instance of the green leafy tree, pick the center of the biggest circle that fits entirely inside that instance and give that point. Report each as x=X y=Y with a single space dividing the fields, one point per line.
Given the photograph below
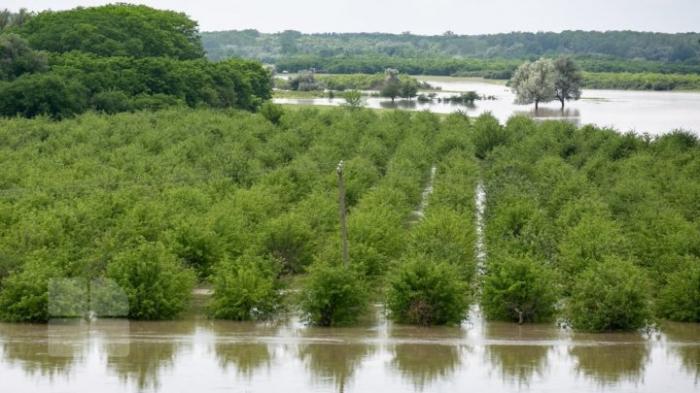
x=333 y=295
x=353 y=99
x=568 y=80
x=156 y=284
x=679 y=300
x=519 y=289
x=24 y=295
x=534 y=82
x=245 y=289
x=42 y=94
x=610 y=295
x=487 y=134
x=116 y=30
x=17 y=58
x=427 y=293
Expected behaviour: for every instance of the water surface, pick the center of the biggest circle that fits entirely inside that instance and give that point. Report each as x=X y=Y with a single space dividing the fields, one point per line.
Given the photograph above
x=202 y=355
x=625 y=110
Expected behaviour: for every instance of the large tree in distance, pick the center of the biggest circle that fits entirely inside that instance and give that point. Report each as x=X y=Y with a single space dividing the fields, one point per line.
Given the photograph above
x=533 y=82
x=115 y=30
x=567 y=84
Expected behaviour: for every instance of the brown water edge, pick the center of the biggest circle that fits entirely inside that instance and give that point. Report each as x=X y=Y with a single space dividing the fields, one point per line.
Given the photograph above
x=200 y=354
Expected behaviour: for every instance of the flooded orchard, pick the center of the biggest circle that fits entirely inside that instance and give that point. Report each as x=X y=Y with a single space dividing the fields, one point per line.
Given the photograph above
x=650 y=112
x=208 y=355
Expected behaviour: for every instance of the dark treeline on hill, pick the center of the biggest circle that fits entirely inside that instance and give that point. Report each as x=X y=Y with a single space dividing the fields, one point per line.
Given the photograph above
x=116 y=58
x=615 y=51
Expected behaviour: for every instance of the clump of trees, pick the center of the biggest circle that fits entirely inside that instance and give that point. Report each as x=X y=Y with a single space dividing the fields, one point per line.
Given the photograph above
x=519 y=290
x=334 y=295
x=422 y=292
x=545 y=80
x=117 y=58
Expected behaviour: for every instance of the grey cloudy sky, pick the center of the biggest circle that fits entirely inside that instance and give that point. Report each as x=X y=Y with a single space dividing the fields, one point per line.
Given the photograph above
x=423 y=17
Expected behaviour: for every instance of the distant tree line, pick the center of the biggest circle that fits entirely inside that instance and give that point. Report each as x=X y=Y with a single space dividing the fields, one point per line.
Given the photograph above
x=116 y=58
x=627 y=45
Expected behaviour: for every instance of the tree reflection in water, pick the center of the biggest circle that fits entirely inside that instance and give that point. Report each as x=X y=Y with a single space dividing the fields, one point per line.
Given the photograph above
x=684 y=342
x=148 y=348
x=49 y=350
x=241 y=345
x=610 y=359
x=519 y=351
x=426 y=355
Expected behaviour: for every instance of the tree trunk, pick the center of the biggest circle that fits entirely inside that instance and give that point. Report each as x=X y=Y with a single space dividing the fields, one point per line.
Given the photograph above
x=562 y=103
x=537 y=105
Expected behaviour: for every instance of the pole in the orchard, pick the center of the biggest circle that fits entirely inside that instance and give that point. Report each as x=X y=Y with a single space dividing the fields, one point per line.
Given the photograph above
x=341 y=203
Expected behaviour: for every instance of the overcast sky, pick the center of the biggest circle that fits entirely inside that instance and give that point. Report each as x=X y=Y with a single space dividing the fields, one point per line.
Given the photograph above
x=421 y=16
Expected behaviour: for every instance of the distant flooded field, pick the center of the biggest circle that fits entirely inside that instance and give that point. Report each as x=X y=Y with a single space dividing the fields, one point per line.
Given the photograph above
x=626 y=110
x=202 y=355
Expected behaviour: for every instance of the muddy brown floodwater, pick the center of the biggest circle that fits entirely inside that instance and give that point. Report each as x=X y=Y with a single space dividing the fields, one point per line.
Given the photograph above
x=201 y=355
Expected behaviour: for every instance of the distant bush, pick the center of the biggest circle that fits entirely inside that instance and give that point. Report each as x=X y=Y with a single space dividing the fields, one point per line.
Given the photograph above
x=244 y=289
x=608 y=296
x=272 y=112
x=333 y=295
x=680 y=299
x=426 y=293
x=156 y=284
x=518 y=290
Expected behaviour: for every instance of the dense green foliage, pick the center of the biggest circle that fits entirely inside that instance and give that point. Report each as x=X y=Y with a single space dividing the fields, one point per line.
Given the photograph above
x=156 y=284
x=680 y=299
x=614 y=215
x=118 y=58
x=334 y=296
x=244 y=289
x=425 y=293
x=115 y=30
x=627 y=45
x=518 y=290
x=610 y=295
x=641 y=81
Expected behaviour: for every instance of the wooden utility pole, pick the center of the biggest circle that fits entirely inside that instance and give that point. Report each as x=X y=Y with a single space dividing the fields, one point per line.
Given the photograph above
x=341 y=206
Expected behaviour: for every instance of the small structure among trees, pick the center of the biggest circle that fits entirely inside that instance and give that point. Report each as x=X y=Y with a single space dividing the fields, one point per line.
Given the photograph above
x=545 y=80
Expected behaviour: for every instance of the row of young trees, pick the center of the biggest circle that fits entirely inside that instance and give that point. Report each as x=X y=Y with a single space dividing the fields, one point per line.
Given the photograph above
x=592 y=225
x=117 y=58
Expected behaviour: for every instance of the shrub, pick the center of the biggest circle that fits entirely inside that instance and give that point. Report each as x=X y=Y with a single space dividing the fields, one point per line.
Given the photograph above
x=244 y=289
x=488 y=134
x=610 y=295
x=333 y=295
x=427 y=293
x=680 y=298
x=157 y=285
x=272 y=112
x=25 y=294
x=518 y=290
x=112 y=101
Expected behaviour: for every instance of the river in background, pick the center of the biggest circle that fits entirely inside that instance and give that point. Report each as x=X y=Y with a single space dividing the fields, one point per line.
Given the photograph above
x=208 y=356
x=625 y=110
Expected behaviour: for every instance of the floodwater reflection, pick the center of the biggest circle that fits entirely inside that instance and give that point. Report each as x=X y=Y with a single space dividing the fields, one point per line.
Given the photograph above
x=684 y=342
x=151 y=348
x=609 y=359
x=424 y=356
x=519 y=351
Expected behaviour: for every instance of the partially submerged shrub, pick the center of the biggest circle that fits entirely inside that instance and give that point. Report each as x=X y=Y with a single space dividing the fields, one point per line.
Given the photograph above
x=244 y=289
x=427 y=293
x=157 y=285
x=680 y=299
x=488 y=134
x=272 y=112
x=608 y=296
x=519 y=290
x=333 y=295
x=25 y=294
